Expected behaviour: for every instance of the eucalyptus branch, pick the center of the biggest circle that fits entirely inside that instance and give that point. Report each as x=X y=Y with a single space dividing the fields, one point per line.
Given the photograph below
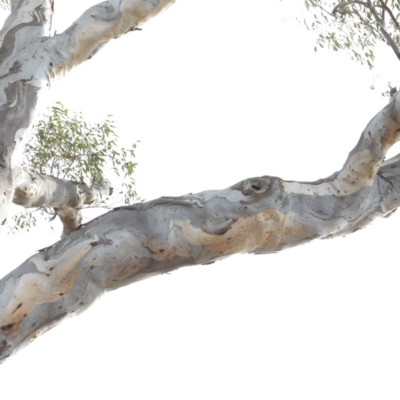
x=390 y=12
x=362 y=20
x=390 y=41
x=375 y=14
x=348 y=3
x=388 y=38
x=325 y=10
x=383 y=16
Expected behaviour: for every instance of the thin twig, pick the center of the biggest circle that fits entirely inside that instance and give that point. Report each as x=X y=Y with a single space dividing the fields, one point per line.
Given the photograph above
x=342 y=5
x=390 y=12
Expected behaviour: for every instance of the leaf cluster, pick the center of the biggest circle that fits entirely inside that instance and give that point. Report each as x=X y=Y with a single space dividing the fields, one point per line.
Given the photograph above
x=356 y=26
x=66 y=146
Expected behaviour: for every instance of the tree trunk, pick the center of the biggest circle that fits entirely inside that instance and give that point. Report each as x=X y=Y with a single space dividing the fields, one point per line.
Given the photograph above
x=257 y=215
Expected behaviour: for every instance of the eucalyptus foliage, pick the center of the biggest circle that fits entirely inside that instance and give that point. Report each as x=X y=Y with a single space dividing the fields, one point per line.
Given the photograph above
x=356 y=26
x=66 y=146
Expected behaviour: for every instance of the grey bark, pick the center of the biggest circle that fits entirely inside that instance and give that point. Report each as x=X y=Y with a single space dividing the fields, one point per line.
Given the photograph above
x=21 y=82
x=258 y=215
x=34 y=190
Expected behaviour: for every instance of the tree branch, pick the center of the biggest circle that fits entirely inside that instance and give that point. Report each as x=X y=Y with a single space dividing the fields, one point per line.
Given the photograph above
x=38 y=190
x=71 y=217
x=257 y=215
x=98 y=25
x=66 y=197
x=348 y=3
x=390 y=12
x=390 y=41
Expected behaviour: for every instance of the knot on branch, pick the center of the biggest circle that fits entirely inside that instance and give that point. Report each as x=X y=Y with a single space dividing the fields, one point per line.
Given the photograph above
x=255 y=186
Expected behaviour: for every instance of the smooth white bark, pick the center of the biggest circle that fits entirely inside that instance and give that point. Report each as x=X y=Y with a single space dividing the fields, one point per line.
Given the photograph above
x=23 y=67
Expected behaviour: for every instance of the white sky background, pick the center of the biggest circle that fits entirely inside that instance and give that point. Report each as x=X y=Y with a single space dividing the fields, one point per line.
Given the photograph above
x=219 y=91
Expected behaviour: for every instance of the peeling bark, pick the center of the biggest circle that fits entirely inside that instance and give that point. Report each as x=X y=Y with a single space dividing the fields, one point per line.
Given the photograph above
x=258 y=215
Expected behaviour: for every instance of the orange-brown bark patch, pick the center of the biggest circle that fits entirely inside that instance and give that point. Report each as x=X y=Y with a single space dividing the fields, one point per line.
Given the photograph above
x=267 y=229
x=34 y=289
